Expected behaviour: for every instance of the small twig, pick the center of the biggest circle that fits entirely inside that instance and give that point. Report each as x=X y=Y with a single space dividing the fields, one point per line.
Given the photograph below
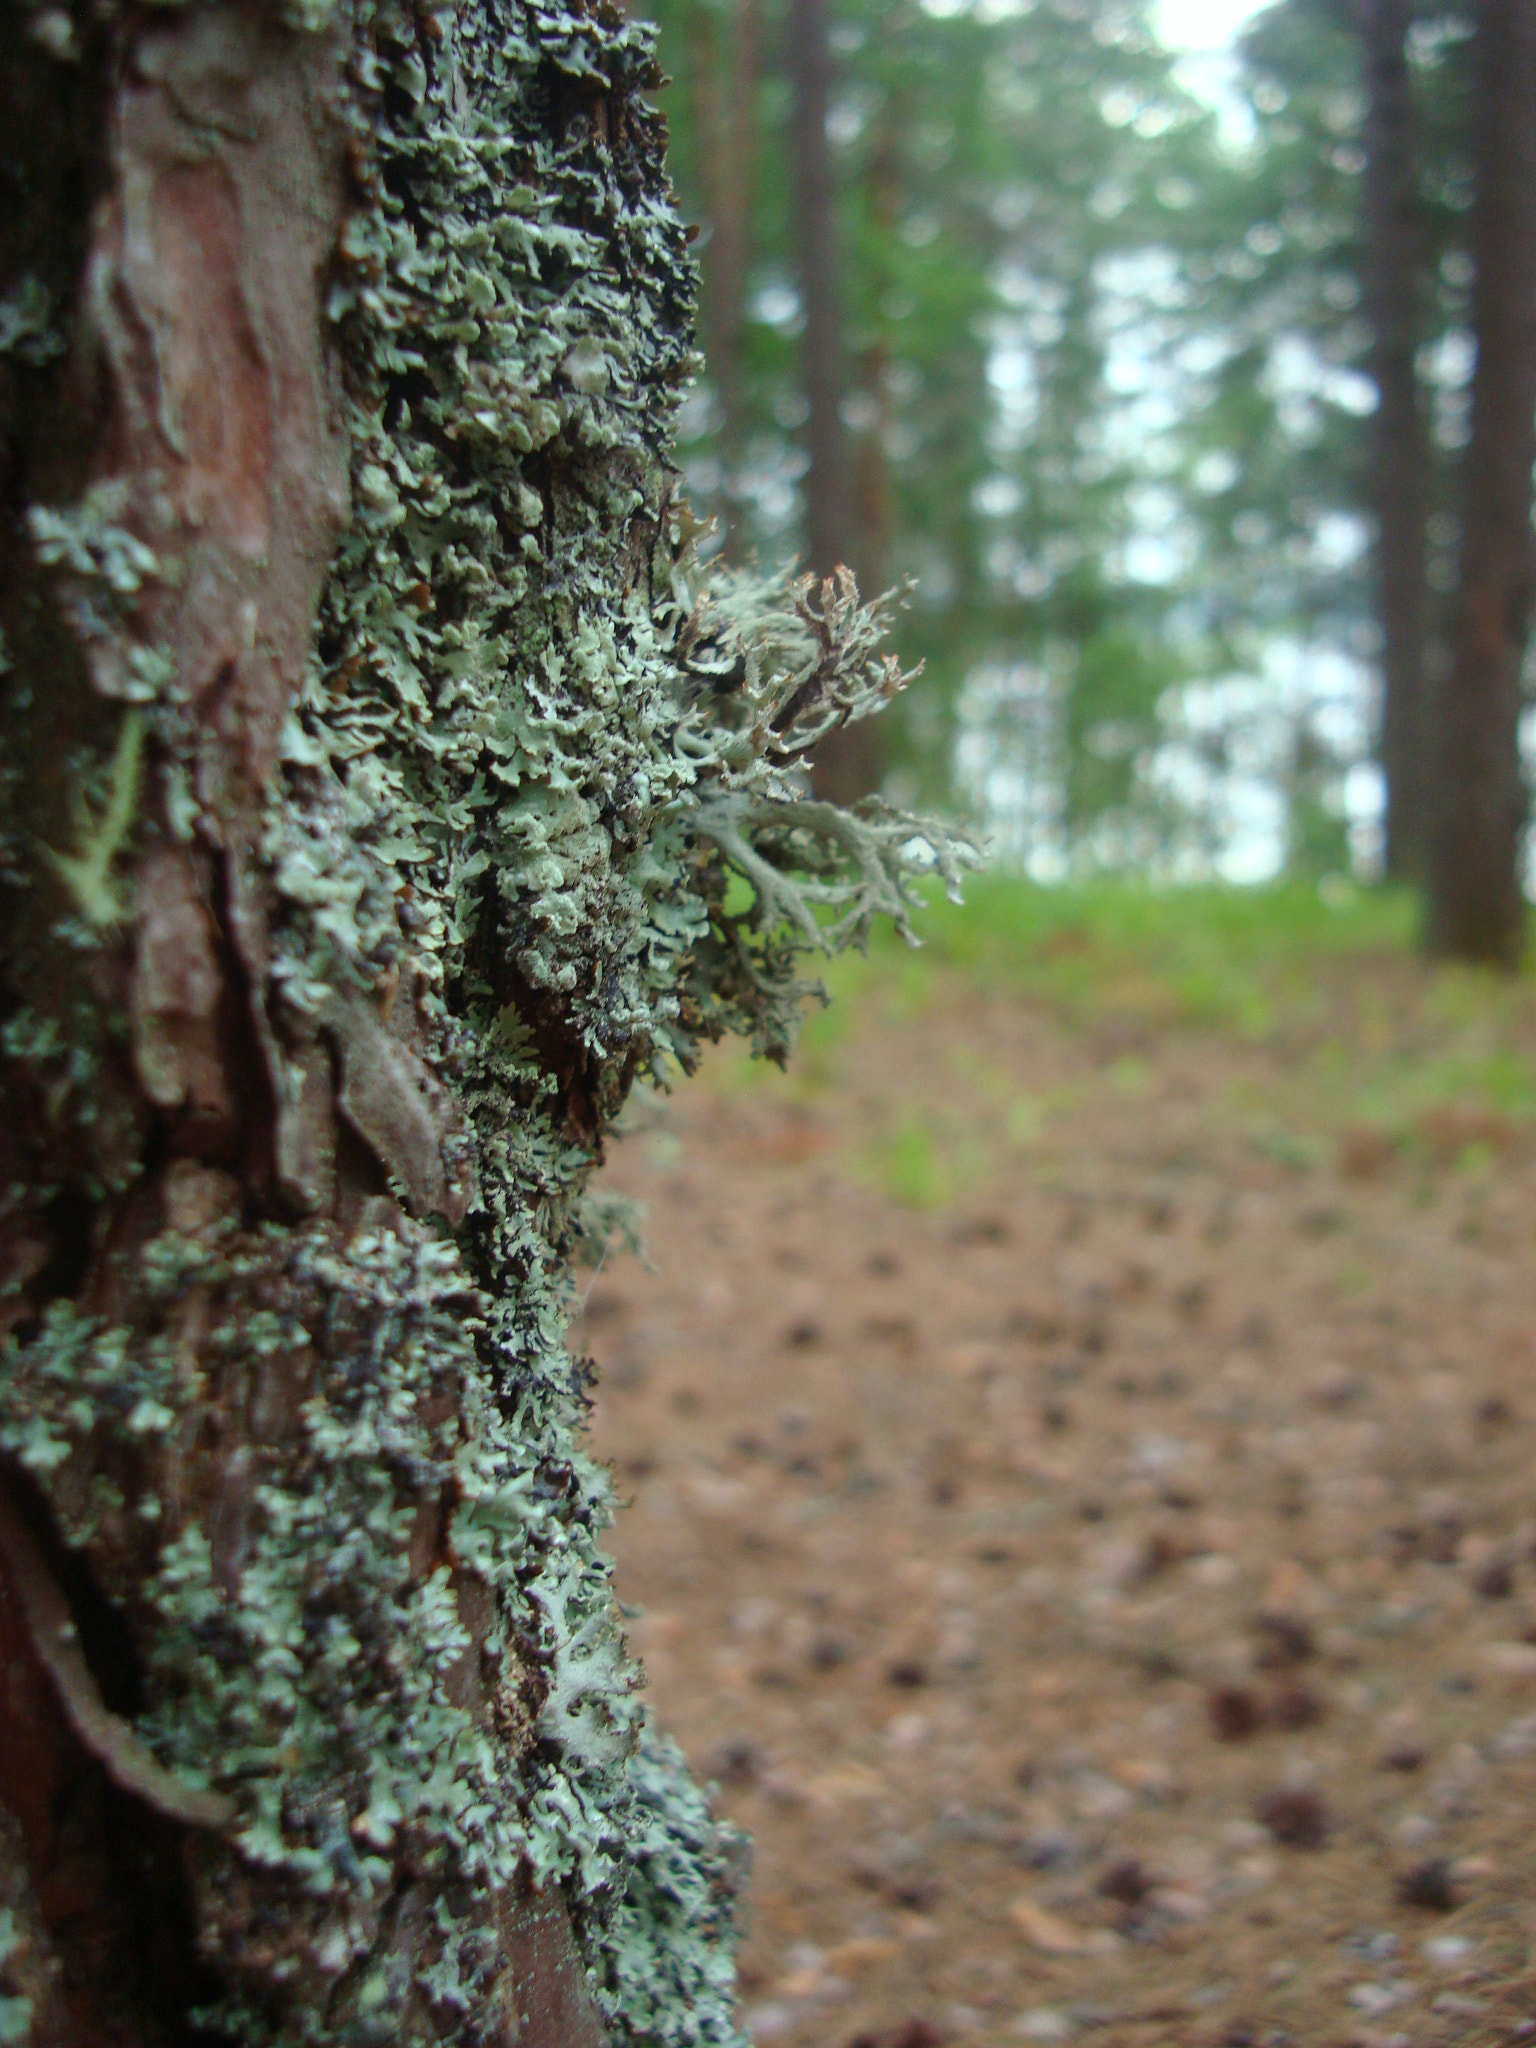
x=109 y=1738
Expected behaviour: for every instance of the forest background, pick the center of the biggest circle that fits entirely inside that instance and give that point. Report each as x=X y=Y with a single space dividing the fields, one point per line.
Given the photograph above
x=1138 y=1274
x=1155 y=380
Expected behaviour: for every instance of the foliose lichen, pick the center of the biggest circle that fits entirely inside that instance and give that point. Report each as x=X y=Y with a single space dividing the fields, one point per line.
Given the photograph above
x=15 y=2007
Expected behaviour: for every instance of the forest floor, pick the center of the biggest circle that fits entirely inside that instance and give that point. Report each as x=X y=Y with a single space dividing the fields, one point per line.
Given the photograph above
x=1080 y=1431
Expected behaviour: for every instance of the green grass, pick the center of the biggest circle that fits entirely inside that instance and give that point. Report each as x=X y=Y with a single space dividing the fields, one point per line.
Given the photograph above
x=908 y=1163
x=1339 y=1043
x=1208 y=955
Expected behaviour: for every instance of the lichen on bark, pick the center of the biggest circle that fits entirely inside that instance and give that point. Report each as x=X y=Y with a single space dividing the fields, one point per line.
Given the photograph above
x=385 y=791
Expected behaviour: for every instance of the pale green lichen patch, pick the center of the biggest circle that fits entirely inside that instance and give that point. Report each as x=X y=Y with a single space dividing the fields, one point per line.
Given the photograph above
x=28 y=324
x=667 y=1973
x=87 y=872
x=15 y=2007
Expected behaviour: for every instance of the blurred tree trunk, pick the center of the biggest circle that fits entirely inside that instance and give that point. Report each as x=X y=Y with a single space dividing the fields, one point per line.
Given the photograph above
x=724 y=71
x=1394 y=264
x=847 y=764
x=1476 y=904
x=872 y=495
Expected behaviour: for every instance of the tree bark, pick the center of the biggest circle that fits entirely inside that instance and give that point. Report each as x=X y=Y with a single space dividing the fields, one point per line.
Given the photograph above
x=847 y=764
x=347 y=885
x=376 y=772
x=1394 y=281
x=1476 y=904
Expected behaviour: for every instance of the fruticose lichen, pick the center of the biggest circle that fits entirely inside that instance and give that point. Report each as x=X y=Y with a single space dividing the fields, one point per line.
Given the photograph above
x=536 y=830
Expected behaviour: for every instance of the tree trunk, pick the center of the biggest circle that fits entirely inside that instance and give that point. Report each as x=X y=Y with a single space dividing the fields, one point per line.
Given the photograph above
x=828 y=501
x=1394 y=267
x=847 y=763
x=374 y=777
x=725 y=84
x=365 y=828
x=872 y=512
x=1476 y=906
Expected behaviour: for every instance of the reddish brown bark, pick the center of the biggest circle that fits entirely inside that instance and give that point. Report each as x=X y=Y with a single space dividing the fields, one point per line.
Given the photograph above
x=197 y=402
x=196 y=164
x=1476 y=902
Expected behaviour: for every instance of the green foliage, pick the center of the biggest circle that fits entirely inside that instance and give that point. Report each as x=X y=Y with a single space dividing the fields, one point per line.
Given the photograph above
x=1188 y=955
x=1112 y=723
x=908 y=1165
x=1282 y=413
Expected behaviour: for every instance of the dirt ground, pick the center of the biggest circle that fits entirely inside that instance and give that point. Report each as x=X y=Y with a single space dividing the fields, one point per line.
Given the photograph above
x=1102 y=1582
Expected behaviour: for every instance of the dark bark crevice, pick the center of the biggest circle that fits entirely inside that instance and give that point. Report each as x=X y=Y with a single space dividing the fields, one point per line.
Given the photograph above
x=106 y=1874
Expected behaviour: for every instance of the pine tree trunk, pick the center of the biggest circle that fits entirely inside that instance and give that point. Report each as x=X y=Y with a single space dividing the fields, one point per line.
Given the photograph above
x=345 y=788
x=376 y=772
x=1394 y=265
x=847 y=764
x=1476 y=907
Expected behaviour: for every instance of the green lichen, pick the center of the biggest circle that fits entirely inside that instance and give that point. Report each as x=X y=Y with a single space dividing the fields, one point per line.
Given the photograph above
x=86 y=540
x=28 y=323
x=15 y=2007
x=87 y=872
x=667 y=1972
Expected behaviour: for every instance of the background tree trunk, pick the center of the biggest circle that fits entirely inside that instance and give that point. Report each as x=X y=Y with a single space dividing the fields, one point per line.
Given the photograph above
x=724 y=73
x=1476 y=906
x=1394 y=280
x=847 y=763
x=828 y=498
x=872 y=486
